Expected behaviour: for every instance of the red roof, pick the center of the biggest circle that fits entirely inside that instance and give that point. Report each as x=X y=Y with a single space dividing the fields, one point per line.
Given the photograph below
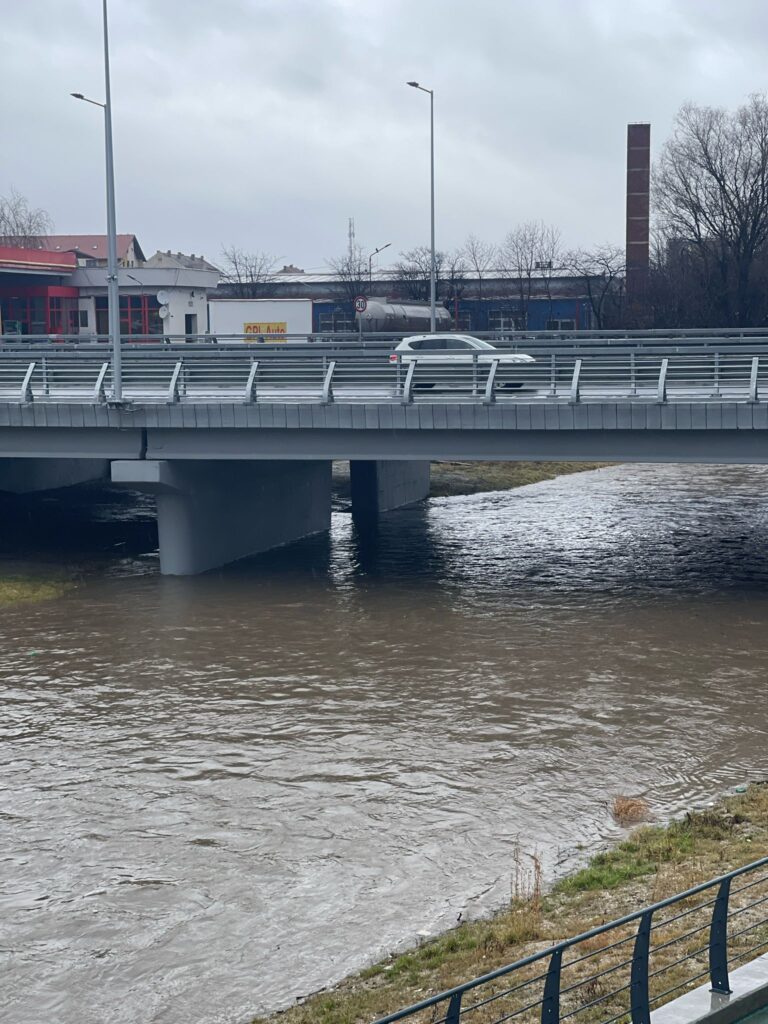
x=32 y=260
x=90 y=246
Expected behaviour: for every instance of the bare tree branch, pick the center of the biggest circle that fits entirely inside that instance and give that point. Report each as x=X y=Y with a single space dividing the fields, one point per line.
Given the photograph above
x=601 y=271
x=247 y=272
x=352 y=272
x=19 y=224
x=710 y=192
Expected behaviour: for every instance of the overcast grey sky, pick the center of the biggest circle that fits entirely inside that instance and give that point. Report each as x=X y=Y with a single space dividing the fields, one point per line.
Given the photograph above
x=268 y=123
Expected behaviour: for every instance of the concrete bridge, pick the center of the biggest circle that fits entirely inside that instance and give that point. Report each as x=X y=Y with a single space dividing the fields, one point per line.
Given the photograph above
x=238 y=449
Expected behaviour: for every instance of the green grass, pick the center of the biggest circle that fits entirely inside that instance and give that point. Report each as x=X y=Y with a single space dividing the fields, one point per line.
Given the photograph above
x=453 y=478
x=18 y=590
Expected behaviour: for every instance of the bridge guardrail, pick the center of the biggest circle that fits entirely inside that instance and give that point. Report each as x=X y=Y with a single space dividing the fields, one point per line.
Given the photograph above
x=362 y=375
x=614 y=972
x=516 y=340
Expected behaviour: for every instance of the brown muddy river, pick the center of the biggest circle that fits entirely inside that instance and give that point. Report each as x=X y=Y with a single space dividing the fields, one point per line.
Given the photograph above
x=223 y=792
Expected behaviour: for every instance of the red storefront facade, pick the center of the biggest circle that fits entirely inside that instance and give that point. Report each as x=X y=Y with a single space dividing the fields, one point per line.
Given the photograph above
x=34 y=298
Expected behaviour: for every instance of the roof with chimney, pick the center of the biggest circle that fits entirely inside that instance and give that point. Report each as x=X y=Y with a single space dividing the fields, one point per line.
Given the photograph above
x=179 y=260
x=92 y=247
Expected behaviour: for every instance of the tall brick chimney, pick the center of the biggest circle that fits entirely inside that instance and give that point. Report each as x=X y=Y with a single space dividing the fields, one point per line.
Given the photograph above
x=638 y=211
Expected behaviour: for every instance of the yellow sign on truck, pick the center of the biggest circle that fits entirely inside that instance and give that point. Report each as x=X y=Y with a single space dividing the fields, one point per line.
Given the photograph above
x=257 y=331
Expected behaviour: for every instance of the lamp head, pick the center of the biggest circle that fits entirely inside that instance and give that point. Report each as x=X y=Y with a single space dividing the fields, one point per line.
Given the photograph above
x=413 y=85
x=77 y=95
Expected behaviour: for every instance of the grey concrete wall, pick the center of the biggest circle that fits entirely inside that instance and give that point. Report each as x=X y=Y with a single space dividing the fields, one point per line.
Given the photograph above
x=212 y=513
x=25 y=476
x=378 y=486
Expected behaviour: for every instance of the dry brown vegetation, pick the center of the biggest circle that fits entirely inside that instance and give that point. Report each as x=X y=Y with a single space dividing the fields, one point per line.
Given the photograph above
x=652 y=863
x=630 y=810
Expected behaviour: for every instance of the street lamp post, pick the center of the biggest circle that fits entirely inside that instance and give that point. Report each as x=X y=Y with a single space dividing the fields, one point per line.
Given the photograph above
x=432 y=266
x=370 y=260
x=113 y=289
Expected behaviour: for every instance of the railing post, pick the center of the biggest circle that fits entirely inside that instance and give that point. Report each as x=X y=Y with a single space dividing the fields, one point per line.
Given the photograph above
x=408 y=386
x=718 y=940
x=632 y=374
x=575 y=381
x=99 y=392
x=716 y=380
x=662 y=393
x=553 y=376
x=328 y=382
x=250 y=387
x=490 y=394
x=46 y=386
x=474 y=373
x=454 y=1009
x=26 y=386
x=173 y=387
x=550 y=1003
x=638 y=989
x=753 y=379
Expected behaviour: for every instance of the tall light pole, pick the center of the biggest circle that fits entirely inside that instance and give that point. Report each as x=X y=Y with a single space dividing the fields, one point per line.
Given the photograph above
x=432 y=267
x=370 y=260
x=113 y=290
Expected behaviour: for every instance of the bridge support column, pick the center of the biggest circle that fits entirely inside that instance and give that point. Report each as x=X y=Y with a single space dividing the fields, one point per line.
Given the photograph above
x=212 y=513
x=378 y=486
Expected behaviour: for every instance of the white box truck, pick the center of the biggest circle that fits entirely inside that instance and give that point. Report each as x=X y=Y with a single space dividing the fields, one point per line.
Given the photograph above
x=257 y=320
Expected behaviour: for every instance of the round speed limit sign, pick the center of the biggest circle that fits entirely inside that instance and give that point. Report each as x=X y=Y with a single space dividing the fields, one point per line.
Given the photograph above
x=361 y=304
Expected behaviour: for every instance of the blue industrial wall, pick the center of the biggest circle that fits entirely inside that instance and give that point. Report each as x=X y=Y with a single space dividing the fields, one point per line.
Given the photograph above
x=474 y=314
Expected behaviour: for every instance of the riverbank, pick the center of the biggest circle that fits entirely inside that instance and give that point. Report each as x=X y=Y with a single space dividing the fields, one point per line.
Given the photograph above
x=23 y=590
x=454 y=478
x=653 y=862
x=450 y=478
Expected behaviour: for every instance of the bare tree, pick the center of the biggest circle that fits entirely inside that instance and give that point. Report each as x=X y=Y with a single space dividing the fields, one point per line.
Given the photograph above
x=480 y=257
x=454 y=276
x=414 y=270
x=352 y=271
x=711 y=192
x=601 y=271
x=247 y=273
x=549 y=257
x=530 y=252
x=19 y=224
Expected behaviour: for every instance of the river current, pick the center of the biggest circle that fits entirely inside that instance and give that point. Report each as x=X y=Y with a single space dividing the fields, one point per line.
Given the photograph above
x=220 y=793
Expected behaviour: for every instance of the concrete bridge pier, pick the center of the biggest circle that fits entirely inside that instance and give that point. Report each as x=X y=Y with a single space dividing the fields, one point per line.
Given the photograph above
x=210 y=513
x=381 y=485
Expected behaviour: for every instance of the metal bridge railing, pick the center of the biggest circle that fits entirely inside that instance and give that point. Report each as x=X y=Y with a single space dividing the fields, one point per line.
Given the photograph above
x=620 y=971
x=316 y=374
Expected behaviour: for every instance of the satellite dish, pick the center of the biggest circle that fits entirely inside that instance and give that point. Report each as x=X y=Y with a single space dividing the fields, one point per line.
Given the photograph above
x=163 y=298
x=163 y=312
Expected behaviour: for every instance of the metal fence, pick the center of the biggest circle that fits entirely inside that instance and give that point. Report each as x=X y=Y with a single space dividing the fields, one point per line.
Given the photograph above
x=304 y=374
x=622 y=970
x=707 y=337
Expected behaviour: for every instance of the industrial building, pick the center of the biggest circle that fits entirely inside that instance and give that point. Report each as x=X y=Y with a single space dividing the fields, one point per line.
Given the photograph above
x=59 y=287
x=293 y=301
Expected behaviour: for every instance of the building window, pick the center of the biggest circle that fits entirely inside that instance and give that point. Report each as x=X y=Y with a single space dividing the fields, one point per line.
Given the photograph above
x=561 y=325
x=83 y=318
x=139 y=315
x=505 y=320
x=464 y=322
x=336 y=323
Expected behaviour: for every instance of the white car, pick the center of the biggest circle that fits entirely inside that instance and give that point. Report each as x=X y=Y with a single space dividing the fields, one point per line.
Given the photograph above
x=448 y=351
x=452 y=350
